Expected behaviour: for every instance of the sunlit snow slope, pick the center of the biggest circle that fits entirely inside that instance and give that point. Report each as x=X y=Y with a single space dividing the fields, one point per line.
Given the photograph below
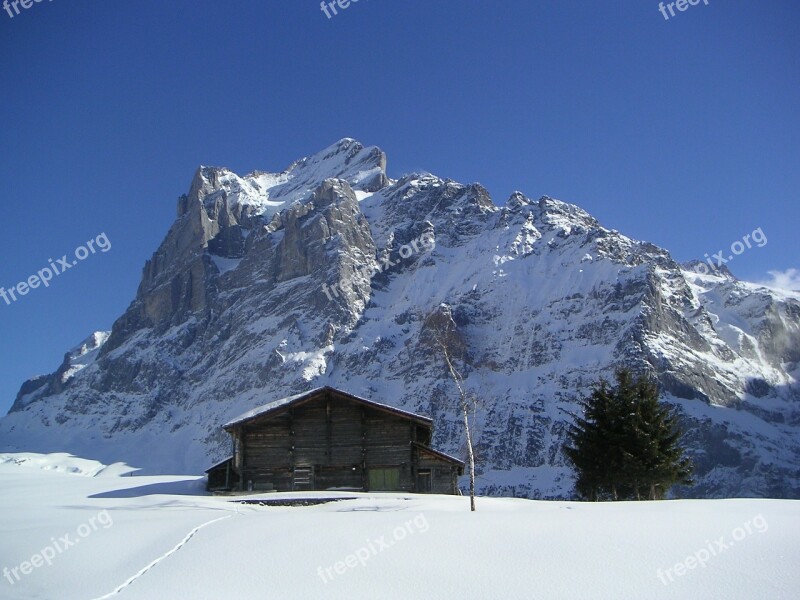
x=269 y=285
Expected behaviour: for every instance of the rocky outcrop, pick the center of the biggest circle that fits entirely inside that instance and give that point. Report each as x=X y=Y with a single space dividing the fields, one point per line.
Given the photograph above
x=326 y=273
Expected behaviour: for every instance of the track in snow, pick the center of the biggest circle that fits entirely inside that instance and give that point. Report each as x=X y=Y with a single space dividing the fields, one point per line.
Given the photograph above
x=160 y=558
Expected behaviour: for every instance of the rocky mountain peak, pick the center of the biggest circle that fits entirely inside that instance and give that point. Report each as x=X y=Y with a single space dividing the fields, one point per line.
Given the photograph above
x=330 y=273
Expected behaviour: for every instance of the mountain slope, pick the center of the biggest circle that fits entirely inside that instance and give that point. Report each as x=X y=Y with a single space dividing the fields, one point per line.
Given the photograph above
x=269 y=284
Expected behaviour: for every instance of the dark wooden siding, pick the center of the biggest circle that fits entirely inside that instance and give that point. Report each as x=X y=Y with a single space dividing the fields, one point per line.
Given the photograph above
x=222 y=476
x=444 y=475
x=339 y=438
x=388 y=444
x=268 y=445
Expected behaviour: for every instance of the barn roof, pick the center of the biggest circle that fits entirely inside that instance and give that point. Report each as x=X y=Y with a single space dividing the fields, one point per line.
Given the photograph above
x=300 y=398
x=437 y=453
x=219 y=464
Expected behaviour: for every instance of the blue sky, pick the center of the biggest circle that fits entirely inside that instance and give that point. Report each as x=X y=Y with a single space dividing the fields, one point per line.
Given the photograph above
x=683 y=132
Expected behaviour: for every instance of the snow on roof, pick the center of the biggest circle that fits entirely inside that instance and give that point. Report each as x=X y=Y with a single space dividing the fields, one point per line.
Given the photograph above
x=219 y=464
x=439 y=453
x=271 y=406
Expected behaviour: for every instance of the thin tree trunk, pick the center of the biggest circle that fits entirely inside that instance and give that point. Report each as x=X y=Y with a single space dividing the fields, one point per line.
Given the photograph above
x=471 y=460
x=465 y=409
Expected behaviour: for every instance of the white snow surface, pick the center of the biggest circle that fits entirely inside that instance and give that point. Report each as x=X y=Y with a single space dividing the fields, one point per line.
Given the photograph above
x=62 y=462
x=164 y=537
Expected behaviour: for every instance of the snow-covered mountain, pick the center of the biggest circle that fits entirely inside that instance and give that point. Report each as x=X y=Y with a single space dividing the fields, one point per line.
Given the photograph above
x=270 y=284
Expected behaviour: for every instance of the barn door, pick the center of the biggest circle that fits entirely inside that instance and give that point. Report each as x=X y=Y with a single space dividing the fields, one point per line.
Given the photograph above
x=303 y=479
x=384 y=480
x=424 y=481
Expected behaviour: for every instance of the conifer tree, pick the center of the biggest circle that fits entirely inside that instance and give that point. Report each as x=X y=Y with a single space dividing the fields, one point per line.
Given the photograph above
x=627 y=444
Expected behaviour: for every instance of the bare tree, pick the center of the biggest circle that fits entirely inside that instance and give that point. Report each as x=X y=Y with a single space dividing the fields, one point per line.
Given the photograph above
x=448 y=342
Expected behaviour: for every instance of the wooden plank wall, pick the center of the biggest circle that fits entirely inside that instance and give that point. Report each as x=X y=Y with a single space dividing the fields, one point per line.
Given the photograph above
x=338 y=437
x=444 y=478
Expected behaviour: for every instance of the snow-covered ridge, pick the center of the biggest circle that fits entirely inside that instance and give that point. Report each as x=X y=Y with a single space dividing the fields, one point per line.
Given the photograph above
x=232 y=314
x=267 y=193
x=61 y=463
x=84 y=354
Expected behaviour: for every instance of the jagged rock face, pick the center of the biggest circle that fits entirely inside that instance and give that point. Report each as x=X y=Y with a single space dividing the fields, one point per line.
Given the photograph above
x=327 y=273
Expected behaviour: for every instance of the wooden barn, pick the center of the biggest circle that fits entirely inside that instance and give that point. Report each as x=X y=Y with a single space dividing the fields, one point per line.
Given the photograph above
x=326 y=439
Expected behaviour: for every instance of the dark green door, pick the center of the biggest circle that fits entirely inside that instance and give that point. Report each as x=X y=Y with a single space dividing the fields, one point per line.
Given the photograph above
x=384 y=480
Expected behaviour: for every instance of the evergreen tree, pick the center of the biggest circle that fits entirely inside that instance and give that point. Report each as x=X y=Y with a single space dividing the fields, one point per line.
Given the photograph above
x=627 y=444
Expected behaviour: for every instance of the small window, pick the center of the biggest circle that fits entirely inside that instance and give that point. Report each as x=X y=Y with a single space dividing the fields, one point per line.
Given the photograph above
x=303 y=479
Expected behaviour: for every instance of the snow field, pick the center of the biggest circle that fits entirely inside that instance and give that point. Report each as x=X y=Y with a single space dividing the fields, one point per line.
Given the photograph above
x=169 y=539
